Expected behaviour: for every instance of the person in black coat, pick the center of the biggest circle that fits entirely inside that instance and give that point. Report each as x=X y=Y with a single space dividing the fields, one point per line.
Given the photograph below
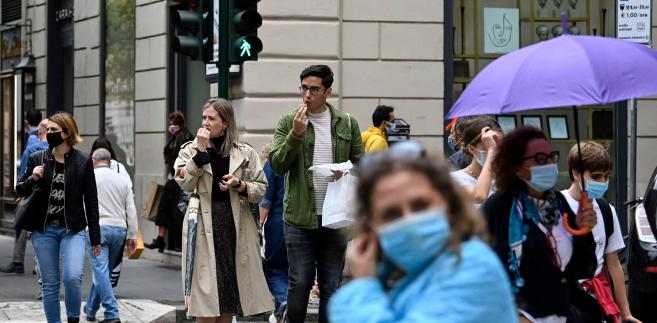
x=525 y=221
x=64 y=204
x=169 y=216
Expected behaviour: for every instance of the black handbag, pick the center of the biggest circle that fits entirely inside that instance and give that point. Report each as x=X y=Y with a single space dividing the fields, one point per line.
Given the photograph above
x=25 y=207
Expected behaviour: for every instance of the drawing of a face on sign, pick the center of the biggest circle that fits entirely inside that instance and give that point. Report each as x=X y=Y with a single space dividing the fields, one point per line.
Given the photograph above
x=501 y=30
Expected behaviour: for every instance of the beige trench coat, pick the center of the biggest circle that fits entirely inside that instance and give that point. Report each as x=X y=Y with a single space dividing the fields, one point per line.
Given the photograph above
x=254 y=294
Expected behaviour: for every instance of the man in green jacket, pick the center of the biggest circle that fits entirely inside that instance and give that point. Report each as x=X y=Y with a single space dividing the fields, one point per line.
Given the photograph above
x=314 y=133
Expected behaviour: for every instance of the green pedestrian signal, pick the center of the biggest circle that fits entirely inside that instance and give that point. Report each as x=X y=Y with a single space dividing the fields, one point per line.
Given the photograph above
x=243 y=23
x=246 y=48
x=193 y=21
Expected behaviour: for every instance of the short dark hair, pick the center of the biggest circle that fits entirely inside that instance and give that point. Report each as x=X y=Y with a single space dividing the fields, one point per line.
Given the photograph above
x=509 y=157
x=322 y=71
x=33 y=117
x=381 y=113
x=103 y=142
x=595 y=157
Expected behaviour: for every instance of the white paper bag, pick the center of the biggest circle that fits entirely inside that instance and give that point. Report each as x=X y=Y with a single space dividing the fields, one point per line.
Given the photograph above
x=340 y=203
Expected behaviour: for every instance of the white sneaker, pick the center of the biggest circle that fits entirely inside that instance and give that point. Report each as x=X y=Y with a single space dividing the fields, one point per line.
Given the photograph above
x=272 y=318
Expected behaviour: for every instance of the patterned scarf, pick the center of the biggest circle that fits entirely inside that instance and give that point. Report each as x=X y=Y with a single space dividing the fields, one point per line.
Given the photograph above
x=523 y=206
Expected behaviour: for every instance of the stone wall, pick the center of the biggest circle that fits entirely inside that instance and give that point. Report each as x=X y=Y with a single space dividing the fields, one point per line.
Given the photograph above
x=376 y=51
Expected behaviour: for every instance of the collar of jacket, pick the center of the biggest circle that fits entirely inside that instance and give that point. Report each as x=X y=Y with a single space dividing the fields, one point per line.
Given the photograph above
x=237 y=157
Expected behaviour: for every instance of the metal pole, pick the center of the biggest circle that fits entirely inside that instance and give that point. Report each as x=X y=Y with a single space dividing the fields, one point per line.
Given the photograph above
x=223 y=66
x=633 y=126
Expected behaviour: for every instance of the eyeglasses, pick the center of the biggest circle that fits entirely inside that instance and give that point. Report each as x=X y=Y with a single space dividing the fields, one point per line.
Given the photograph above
x=556 y=259
x=542 y=158
x=313 y=89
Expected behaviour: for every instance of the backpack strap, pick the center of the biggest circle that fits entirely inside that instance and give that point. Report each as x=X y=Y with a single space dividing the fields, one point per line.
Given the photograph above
x=607 y=217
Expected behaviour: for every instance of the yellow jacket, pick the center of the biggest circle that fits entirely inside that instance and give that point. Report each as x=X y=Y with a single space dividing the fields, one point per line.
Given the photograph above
x=374 y=140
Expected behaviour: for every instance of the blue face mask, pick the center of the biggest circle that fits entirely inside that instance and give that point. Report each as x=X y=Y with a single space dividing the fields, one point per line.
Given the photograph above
x=595 y=189
x=412 y=242
x=450 y=143
x=544 y=177
x=392 y=128
x=482 y=157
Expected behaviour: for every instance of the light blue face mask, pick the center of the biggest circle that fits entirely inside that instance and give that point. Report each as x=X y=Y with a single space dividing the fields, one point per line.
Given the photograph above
x=482 y=157
x=596 y=189
x=544 y=177
x=412 y=242
x=450 y=143
x=392 y=128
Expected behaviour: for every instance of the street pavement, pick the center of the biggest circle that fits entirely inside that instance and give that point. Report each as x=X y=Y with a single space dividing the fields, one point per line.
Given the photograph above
x=148 y=291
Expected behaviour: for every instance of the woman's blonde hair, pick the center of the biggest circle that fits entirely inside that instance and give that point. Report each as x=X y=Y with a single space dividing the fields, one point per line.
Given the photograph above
x=69 y=126
x=463 y=219
x=225 y=111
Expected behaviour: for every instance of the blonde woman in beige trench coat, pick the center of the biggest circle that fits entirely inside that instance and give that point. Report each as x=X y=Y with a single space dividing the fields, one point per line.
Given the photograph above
x=245 y=183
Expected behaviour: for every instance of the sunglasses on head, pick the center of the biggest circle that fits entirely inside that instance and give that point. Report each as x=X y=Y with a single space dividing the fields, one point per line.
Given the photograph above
x=542 y=158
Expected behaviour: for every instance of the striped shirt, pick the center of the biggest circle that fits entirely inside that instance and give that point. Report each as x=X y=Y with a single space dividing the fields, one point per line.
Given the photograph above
x=323 y=153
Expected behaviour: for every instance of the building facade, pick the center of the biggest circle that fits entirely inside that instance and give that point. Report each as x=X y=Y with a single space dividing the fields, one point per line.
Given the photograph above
x=108 y=62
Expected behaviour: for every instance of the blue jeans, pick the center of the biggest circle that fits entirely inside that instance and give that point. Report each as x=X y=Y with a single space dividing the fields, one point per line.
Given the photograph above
x=111 y=242
x=311 y=251
x=49 y=246
x=276 y=259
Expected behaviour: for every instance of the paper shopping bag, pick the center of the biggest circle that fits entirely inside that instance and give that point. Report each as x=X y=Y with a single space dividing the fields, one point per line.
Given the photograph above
x=152 y=200
x=139 y=249
x=340 y=203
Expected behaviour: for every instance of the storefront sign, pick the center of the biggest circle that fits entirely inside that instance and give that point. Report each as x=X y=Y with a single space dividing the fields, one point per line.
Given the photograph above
x=501 y=30
x=633 y=20
x=11 y=48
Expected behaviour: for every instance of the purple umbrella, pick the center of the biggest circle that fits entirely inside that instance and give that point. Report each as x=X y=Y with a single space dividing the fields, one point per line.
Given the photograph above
x=564 y=71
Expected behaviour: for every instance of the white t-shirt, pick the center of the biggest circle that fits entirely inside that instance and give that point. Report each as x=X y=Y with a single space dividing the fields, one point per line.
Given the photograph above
x=615 y=241
x=463 y=178
x=322 y=154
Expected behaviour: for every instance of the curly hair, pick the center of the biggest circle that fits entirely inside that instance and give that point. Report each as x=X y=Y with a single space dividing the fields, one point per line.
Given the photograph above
x=509 y=157
x=463 y=219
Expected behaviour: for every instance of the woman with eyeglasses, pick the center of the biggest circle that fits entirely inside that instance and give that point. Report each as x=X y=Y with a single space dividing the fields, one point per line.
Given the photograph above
x=65 y=204
x=480 y=139
x=417 y=256
x=525 y=220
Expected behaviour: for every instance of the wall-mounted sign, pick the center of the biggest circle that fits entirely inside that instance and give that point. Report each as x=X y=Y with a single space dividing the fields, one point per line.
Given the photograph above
x=11 y=48
x=501 y=30
x=633 y=20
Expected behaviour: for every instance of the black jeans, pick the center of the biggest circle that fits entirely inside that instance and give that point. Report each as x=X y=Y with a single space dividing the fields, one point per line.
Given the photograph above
x=311 y=251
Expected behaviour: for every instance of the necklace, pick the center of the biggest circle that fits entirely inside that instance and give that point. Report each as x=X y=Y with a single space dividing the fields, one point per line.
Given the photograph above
x=470 y=171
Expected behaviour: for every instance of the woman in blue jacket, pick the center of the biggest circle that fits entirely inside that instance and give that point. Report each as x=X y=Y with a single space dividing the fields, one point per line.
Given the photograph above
x=417 y=256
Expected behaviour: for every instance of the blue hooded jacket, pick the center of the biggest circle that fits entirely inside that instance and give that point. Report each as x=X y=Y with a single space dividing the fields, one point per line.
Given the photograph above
x=473 y=289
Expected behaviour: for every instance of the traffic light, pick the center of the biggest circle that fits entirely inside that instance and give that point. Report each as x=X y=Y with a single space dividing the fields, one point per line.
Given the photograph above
x=244 y=21
x=193 y=21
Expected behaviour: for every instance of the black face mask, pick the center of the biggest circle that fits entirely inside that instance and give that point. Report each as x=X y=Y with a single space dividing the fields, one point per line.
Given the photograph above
x=54 y=139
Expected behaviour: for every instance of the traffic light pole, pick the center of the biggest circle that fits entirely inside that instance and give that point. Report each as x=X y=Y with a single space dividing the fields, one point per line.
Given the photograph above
x=223 y=66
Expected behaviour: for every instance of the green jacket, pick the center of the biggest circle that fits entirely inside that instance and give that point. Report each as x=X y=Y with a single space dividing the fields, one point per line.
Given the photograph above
x=292 y=156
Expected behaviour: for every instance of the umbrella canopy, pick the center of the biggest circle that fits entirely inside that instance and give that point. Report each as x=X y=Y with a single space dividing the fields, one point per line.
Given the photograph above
x=564 y=71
